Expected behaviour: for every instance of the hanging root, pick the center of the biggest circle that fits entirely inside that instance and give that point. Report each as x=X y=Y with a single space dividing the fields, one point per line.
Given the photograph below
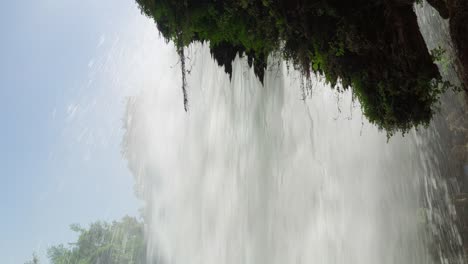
x=180 y=52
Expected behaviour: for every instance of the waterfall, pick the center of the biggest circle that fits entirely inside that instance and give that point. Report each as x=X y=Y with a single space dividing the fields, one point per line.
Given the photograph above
x=256 y=174
x=259 y=174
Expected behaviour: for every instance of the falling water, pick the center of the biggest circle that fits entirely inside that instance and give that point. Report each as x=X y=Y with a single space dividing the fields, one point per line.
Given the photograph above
x=255 y=174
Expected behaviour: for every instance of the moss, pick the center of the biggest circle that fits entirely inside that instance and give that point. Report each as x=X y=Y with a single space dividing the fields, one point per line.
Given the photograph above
x=373 y=46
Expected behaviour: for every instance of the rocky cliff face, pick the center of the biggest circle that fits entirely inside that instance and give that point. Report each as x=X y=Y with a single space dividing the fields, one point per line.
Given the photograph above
x=375 y=47
x=458 y=20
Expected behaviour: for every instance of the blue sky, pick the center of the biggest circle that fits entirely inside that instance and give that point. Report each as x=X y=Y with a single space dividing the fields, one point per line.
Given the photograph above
x=60 y=118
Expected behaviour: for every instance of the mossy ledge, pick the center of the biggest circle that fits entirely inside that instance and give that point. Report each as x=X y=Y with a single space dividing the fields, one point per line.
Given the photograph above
x=375 y=47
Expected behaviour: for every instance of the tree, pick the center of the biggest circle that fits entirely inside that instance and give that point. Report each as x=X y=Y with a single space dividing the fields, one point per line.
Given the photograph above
x=120 y=242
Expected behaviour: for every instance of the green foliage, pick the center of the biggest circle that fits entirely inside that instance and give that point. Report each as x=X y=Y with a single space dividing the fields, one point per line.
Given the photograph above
x=119 y=242
x=437 y=54
x=360 y=44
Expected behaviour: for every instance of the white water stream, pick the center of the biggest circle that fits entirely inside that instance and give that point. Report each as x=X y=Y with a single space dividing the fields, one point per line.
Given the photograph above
x=253 y=174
